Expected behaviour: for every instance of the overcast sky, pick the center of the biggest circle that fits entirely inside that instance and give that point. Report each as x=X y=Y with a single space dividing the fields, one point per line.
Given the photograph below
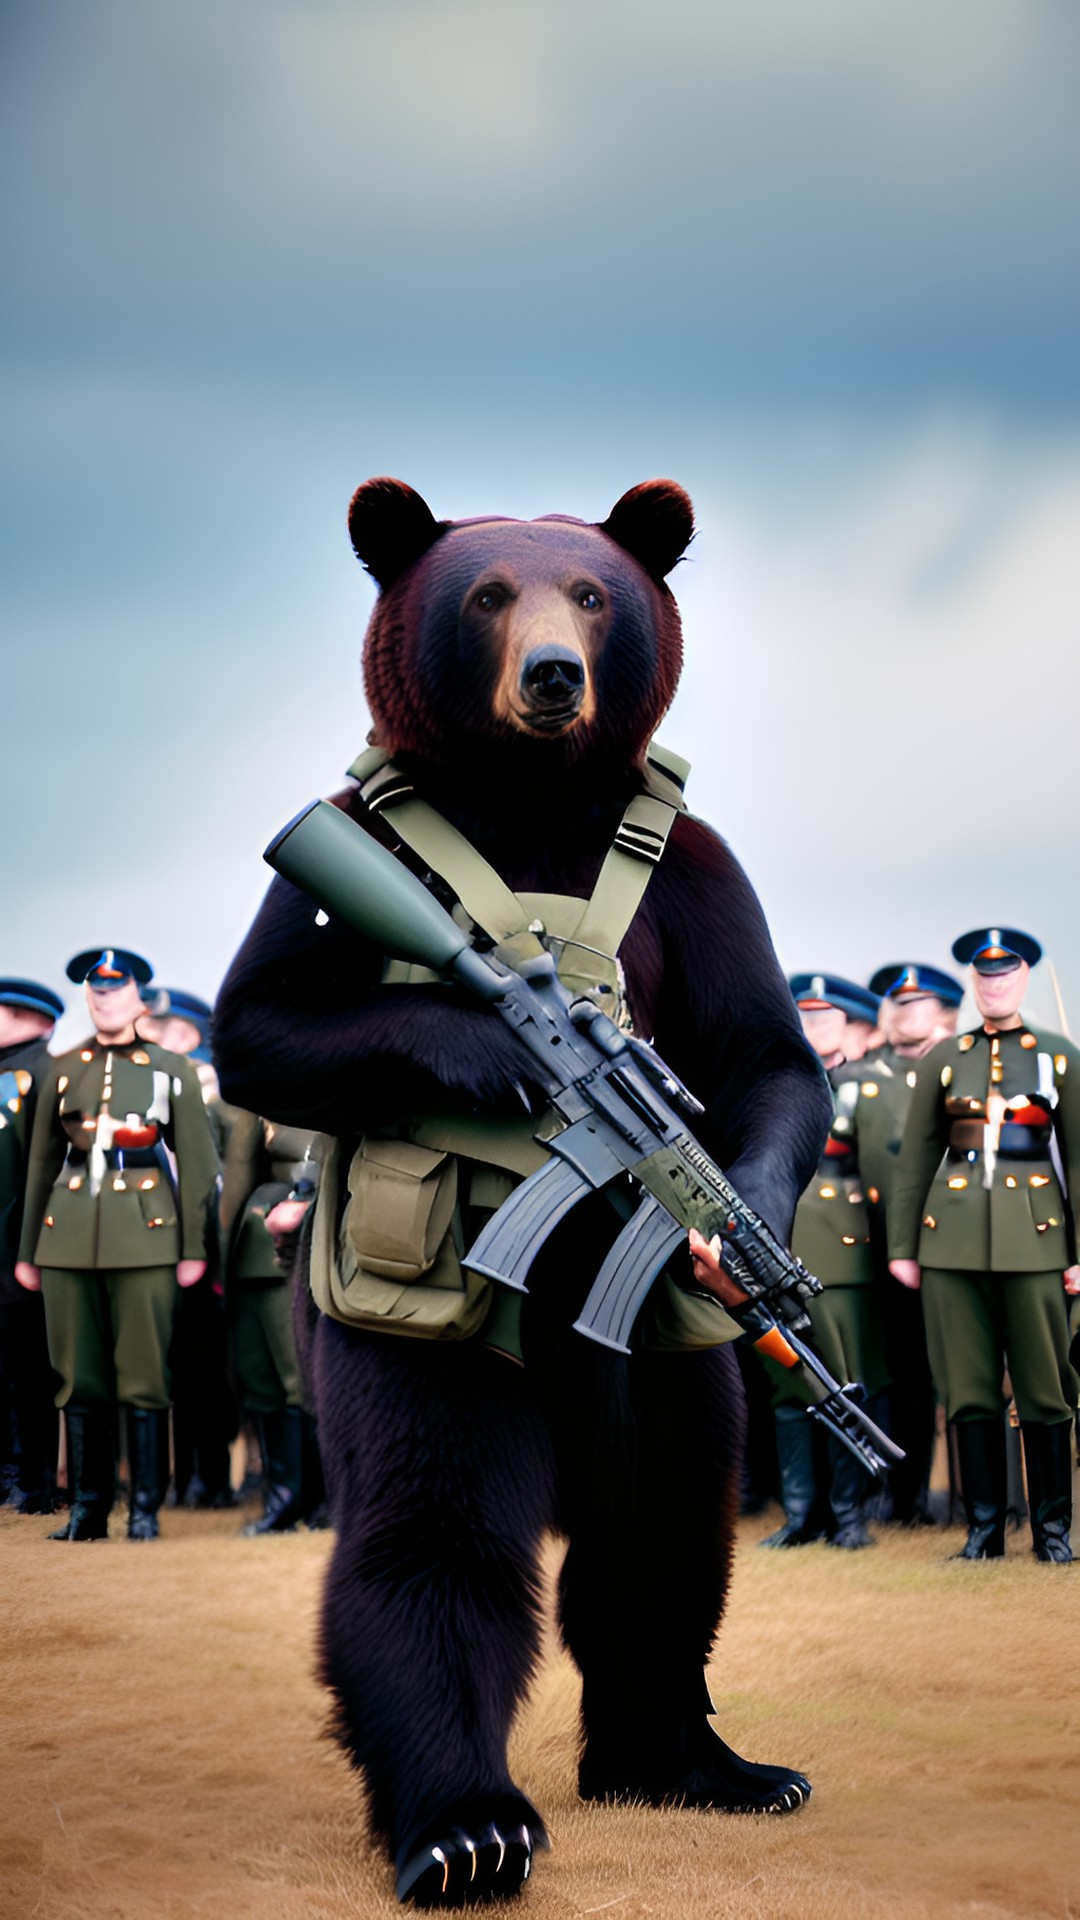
x=819 y=263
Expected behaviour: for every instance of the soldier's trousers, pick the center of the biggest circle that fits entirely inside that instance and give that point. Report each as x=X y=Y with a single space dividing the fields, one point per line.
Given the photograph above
x=849 y=1335
x=976 y=1323
x=109 y=1334
x=264 y=1349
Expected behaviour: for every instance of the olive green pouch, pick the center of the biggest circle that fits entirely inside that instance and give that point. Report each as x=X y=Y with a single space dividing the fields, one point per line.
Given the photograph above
x=389 y=1259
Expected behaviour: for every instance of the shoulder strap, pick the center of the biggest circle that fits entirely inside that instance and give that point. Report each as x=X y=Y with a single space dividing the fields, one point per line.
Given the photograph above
x=621 y=883
x=634 y=853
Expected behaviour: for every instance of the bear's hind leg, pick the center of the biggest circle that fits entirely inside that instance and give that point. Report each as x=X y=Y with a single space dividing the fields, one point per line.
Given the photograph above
x=442 y=1490
x=643 y=1589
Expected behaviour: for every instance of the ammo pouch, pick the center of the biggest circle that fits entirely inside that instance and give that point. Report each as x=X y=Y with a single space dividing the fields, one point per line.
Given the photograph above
x=387 y=1243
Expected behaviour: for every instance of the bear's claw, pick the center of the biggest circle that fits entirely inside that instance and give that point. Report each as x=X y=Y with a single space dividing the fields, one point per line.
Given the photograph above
x=461 y=1868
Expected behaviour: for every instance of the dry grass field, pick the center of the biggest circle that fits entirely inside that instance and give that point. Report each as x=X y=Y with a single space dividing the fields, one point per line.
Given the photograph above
x=164 y=1751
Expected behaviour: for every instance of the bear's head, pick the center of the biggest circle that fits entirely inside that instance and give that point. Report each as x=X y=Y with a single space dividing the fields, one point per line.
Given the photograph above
x=534 y=644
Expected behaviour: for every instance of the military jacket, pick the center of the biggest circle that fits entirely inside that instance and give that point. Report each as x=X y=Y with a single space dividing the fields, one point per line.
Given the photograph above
x=831 y=1234
x=122 y=1170
x=885 y=1096
x=977 y=1186
x=262 y=1163
x=22 y=1068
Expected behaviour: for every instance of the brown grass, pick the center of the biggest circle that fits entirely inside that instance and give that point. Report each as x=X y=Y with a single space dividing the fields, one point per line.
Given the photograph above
x=164 y=1751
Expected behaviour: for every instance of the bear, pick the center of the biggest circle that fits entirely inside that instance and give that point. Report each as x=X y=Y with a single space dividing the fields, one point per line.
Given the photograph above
x=516 y=671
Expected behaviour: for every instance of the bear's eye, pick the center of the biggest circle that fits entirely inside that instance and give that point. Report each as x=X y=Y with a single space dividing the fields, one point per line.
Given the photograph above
x=489 y=599
x=588 y=599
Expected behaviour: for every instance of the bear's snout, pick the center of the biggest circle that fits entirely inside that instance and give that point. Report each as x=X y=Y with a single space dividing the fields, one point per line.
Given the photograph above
x=552 y=686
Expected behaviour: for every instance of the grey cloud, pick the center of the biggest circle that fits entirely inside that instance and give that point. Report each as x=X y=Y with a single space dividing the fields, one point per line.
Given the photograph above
x=795 y=199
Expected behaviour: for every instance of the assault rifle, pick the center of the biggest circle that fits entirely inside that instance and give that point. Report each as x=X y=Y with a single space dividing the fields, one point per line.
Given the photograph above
x=626 y=1126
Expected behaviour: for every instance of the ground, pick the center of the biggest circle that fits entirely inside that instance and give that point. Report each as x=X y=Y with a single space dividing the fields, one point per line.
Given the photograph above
x=165 y=1751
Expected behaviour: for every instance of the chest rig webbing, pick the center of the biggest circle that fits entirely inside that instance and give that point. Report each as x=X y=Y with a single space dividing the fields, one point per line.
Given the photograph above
x=583 y=936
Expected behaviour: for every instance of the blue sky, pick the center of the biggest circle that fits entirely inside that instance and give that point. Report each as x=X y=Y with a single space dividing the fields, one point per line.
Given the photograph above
x=819 y=263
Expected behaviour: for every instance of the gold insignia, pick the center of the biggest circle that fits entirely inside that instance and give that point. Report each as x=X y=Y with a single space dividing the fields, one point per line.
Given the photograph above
x=871 y=1089
x=147 y=1184
x=874 y=1194
x=946 y=1077
x=957 y=1183
x=847 y=1239
x=827 y=1193
x=119 y=1186
x=1060 y=1063
x=87 y=1053
x=62 y=1083
x=23 y=1080
x=49 y=1221
x=928 y=1220
x=1028 y=1040
x=966 y=1042
x=1038 y=1180
x=1010 y=1179
x=1041 y=1226
x=155 y=1223
x=1053 y=1221
x=997 y=1072
x=75 y=1183
x=141 y=1059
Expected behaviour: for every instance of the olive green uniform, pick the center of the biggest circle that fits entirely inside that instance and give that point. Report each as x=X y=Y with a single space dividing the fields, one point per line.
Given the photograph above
x=831 y=1235
x=977 y=1200
x=262 y=1162
x=103 y=1220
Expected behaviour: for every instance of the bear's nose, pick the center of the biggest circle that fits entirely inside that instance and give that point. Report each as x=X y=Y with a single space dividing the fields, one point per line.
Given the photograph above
x=553 y=677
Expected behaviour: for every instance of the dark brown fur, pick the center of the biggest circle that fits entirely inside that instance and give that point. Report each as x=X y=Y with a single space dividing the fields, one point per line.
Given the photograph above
x=445 y=1466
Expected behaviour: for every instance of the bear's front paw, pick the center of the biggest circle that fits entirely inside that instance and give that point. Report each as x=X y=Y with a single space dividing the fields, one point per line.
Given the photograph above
x=460 y=1868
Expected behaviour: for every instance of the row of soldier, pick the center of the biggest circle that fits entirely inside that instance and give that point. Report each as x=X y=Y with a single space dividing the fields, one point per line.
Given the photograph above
x=138 y=1271
x=939 y=1223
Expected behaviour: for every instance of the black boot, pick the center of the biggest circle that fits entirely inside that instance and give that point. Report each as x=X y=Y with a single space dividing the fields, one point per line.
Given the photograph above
x=1048 y=1453
x=981 y=1448
x=148 y=1466
x=91 y=1468
x=849 y=1484
x=798 y=1485
x=281 y=1436
x=37 y=1436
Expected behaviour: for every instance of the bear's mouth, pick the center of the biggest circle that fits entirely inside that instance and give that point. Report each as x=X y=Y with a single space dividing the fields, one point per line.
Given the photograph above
x=548 y=720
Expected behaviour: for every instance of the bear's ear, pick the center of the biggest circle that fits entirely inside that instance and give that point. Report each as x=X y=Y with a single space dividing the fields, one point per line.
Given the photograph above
x=654 y=522
x=390 y=526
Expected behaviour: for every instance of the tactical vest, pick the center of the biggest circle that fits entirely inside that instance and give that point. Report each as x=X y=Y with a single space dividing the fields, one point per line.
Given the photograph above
x=387 y=1238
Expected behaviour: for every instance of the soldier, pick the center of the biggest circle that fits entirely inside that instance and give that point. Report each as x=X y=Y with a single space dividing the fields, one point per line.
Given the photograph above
x=28 y=1014
x=978 y=1218
x=204 y=1419
x=919 y=1005
x=265 y=1166
x=106 y=1238
x=832 y=1236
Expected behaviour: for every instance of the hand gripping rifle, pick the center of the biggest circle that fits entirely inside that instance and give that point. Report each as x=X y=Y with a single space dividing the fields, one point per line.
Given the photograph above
x=624 y=1113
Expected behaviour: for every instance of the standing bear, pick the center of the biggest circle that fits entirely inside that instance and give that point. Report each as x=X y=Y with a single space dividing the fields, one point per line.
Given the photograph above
x=516 y=672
